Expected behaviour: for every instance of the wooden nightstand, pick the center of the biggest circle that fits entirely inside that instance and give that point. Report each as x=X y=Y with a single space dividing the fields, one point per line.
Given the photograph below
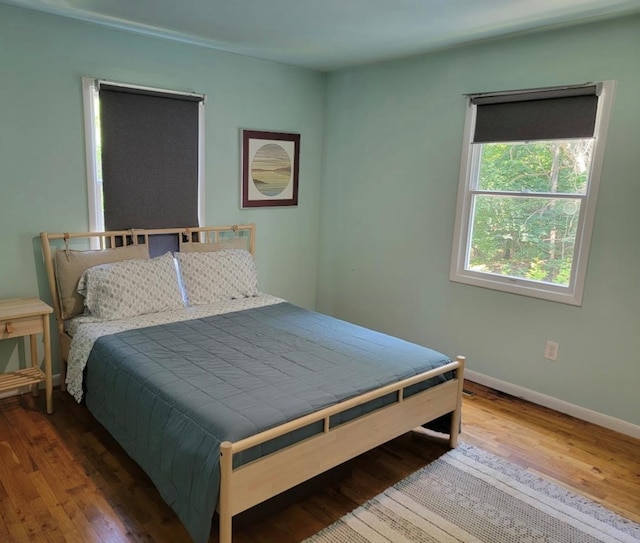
x=21 y=317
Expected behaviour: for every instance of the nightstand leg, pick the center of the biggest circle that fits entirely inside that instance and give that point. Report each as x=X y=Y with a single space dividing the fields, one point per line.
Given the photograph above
x=34 y=360
x=46 y=337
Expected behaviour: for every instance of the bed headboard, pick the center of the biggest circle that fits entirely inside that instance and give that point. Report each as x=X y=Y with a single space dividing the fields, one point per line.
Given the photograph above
x=158 y=242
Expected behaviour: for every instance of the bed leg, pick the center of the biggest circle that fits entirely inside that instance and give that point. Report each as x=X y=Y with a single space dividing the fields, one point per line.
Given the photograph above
x=224 y=505
x=456 y=416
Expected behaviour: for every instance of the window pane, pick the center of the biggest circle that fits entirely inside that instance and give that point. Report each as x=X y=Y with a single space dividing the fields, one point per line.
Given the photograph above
x=528 y=238
x=560 y=166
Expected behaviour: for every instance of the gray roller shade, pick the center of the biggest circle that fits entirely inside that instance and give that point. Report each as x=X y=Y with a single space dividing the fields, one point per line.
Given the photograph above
x=536 y=115
x=149 y=158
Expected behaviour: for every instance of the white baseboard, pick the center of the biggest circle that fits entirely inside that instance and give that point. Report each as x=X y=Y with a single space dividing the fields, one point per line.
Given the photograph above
x=576 y=411
x=23 y=390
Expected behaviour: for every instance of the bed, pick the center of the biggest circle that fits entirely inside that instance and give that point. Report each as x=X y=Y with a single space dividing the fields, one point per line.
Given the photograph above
x=238 y=396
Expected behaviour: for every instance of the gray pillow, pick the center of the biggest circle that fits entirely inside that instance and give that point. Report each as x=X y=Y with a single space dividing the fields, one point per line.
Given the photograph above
x=70 y=265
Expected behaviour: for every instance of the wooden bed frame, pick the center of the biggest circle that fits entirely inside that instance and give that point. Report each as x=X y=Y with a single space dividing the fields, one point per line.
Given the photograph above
x=253 y=483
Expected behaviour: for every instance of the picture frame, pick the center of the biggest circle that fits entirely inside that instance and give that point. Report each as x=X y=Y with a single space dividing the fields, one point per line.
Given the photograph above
x=270 y=167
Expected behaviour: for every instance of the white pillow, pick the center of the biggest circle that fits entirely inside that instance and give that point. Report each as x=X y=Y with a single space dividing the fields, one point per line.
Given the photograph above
x=216 y=276
x=132 y=287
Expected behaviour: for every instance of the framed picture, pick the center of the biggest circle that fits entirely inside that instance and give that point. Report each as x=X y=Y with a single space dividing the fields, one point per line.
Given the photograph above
x=270 y=163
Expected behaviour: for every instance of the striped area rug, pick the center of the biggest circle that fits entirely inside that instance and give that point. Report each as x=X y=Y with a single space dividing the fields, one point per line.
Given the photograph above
x=468 y=495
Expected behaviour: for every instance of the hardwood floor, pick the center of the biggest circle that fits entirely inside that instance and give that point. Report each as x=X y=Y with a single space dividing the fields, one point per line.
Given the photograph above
x=63 y=478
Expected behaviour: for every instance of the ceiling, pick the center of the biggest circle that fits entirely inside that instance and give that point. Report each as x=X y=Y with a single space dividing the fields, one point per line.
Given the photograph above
x=331 y=34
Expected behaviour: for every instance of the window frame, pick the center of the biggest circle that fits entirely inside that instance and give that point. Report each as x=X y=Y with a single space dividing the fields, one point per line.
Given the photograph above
x=467 y=188
x=94 y=179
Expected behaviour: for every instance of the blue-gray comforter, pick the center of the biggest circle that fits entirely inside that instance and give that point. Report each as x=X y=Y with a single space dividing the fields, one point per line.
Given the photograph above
x=170 y=394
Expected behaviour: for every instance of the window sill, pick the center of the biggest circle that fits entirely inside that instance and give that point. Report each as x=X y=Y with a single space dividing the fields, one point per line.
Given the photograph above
x=522 y=287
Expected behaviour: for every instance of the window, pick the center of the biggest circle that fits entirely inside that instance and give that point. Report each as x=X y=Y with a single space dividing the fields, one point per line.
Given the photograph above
x=145 y=157
x=528 y=184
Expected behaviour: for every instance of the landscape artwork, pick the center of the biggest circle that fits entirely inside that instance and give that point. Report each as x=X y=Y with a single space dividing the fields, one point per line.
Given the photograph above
x=269 y=168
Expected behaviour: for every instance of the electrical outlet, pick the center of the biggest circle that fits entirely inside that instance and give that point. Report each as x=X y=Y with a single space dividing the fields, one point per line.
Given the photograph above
x=551 y=350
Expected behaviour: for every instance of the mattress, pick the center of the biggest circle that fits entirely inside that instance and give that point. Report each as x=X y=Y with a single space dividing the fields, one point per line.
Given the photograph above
x=171 y=393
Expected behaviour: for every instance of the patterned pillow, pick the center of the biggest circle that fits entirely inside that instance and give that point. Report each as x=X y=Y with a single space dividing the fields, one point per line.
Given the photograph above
x=216 y=276
x=132 y=287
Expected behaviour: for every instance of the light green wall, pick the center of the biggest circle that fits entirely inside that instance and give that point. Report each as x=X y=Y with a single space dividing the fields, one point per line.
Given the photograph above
x=389 y=167
x=393 y=136
x=42 y=160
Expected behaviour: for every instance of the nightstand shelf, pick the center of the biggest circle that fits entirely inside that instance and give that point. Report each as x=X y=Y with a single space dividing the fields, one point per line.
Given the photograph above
x=21 y=378
x=20 y=317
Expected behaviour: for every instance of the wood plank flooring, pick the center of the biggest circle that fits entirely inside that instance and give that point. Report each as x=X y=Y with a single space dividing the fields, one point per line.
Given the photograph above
x=64 y=479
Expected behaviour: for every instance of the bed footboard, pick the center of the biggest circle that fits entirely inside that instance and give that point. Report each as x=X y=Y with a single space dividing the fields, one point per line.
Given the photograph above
x=252 y=483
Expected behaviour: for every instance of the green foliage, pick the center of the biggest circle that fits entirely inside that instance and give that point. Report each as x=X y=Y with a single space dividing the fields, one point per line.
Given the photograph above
x=523 y=235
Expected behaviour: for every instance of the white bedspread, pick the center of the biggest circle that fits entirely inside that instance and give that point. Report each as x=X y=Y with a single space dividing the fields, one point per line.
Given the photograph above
x=85 y=330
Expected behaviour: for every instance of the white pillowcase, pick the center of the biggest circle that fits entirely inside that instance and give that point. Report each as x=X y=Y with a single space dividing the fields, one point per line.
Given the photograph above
x=132 y=287
x=216 y=276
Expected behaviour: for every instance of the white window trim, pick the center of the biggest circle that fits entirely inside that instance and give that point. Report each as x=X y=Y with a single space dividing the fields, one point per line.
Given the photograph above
x=90 y=100
x=94 y=188
x=573 y=293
